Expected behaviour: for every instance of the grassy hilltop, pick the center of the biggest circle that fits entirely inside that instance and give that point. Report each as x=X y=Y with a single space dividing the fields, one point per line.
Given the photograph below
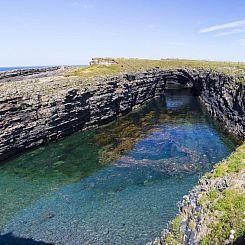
x=136 y=65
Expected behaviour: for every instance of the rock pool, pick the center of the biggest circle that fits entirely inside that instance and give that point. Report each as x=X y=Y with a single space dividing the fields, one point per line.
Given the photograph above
x=118 y=184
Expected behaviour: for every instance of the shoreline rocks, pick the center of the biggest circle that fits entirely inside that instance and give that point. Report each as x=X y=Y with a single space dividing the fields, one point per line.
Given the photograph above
x=6 y=76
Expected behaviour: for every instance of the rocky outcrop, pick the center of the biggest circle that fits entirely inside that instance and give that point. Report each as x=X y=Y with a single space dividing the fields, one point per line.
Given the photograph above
x=30 y=119
x=25 y=72
x=103 y=61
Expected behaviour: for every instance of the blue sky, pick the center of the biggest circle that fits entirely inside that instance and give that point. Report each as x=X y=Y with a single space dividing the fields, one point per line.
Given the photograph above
x=48 y=32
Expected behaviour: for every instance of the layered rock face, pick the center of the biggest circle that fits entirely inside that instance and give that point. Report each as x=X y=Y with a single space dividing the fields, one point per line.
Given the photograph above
x=225 y=100
x=30 y=120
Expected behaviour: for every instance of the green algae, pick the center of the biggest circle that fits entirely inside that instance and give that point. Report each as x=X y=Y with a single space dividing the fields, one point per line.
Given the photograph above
x=233 y=164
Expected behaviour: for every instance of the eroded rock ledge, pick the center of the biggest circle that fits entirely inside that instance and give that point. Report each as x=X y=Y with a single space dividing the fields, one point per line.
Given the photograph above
x=34 y=117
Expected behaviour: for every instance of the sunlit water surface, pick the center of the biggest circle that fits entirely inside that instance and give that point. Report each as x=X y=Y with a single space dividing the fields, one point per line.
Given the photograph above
x=119 y=184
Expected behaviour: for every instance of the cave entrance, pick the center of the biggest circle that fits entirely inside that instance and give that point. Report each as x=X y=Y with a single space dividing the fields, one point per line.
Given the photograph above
x=181 y=83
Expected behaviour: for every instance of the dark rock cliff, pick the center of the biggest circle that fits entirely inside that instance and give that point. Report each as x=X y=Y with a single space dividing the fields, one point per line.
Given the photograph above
x=29 y=120
x=225 y=99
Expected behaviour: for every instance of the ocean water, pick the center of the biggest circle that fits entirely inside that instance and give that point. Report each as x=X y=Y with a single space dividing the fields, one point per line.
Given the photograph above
x=29 y=67
x=19 y=67
x=119 y=184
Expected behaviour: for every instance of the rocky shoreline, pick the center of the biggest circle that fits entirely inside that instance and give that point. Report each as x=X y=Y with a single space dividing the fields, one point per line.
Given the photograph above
x=7 y=76
x=31 y=118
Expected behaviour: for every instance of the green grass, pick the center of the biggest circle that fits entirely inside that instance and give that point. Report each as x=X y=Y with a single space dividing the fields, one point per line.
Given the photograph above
x=228 y=208
x=95 y=71
x=81 y=78
x=136 y=65
x=169 y=240
x=213 y=194
x=231 y=209
x=234 y=163
x=175 y=237
x=176 y=228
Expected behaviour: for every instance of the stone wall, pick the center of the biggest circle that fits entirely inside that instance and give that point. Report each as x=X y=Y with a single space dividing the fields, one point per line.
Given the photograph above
x=30 y=120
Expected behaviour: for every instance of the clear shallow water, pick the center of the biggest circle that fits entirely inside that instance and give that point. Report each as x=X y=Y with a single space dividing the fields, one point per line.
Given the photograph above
x=119 y=184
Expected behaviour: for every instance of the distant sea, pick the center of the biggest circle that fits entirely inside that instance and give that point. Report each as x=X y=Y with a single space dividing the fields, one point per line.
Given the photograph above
x=29 y=67
x=19 y=67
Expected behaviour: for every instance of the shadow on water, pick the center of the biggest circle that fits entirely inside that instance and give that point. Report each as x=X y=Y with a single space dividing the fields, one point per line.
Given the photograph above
x=9 y=239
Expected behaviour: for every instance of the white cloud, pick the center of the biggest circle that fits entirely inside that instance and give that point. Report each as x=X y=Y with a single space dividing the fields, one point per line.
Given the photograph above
x=227 y=33
x=231 y=25
x=74 y=4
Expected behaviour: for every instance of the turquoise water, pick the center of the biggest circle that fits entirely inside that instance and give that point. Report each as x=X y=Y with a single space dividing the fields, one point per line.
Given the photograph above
x=119 y=184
